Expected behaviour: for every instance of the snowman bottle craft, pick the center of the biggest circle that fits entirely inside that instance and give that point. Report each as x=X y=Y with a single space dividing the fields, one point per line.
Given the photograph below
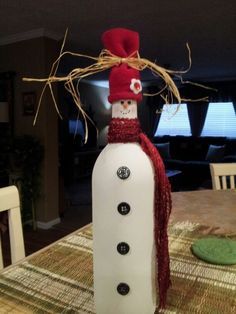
x=131 y=199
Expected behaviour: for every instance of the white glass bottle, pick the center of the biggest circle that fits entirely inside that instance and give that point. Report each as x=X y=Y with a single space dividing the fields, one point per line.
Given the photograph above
x=123 y=241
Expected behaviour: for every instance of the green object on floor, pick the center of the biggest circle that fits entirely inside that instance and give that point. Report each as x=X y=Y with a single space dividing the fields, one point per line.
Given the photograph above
x=214 y=250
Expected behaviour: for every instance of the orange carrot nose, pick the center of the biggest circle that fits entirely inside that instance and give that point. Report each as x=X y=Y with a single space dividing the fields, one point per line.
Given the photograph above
x=125 y=105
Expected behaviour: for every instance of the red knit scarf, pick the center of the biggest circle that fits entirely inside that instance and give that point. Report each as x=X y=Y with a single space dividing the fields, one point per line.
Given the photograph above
x=129 y=131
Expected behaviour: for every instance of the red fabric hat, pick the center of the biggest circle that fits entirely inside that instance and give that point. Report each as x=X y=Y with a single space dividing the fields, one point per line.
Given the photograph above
x=124 y=81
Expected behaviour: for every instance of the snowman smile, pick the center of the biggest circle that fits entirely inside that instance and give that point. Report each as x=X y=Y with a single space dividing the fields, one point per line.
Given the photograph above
x=125 y=112
x=124 y=109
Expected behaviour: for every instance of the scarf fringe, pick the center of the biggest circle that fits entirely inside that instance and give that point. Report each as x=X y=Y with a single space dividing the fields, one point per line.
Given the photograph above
x=162 y=210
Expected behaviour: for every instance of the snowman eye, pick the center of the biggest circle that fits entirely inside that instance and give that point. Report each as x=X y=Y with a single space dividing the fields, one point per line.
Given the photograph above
x=122 y=102
x=129 y=102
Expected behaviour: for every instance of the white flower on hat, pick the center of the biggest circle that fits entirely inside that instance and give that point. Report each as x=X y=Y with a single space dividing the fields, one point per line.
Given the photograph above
x=136 y=86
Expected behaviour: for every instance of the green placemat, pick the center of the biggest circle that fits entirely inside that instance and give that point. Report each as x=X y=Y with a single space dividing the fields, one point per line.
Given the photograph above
x=220 y=251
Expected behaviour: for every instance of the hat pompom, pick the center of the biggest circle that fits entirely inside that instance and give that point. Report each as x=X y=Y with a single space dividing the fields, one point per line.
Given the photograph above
x=121 y=42
x=124 y=81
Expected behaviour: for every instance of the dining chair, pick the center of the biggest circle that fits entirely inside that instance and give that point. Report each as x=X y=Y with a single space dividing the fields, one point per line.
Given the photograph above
x=223 y=176
x=10 y=202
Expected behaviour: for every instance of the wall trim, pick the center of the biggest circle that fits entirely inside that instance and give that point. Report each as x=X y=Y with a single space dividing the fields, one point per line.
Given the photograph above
x=48 y=224
x=34 y=33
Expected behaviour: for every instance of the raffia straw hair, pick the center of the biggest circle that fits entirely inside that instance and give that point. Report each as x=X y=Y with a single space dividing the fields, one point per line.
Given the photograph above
x=104 y=61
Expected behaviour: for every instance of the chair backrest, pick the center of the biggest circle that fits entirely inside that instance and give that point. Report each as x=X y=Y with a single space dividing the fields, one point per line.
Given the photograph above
x=223 y=176
x=9 y=200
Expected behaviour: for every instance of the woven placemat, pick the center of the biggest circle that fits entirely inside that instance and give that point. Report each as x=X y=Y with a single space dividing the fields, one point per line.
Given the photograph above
x=60 y=279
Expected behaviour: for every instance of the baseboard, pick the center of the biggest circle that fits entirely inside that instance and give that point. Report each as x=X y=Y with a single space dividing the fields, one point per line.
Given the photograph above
x=48 y=224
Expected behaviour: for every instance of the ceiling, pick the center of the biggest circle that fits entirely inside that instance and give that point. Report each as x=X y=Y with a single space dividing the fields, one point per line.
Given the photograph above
x=209 y=26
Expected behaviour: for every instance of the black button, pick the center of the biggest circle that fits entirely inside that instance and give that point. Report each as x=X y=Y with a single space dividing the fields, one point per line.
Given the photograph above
x=123 y=208
x=123 y=172
x=123 y=288
x=123 y=248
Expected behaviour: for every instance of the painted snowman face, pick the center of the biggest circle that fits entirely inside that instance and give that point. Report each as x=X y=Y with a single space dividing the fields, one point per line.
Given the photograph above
x=124 y=108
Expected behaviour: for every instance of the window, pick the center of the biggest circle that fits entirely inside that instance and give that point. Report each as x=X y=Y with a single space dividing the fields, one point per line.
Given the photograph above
x=172 y=122
x=76 y=127
x=220 y=120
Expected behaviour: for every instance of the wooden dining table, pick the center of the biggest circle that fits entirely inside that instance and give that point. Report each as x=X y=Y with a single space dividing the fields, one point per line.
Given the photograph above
x=59 y=278
x=215 y=209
